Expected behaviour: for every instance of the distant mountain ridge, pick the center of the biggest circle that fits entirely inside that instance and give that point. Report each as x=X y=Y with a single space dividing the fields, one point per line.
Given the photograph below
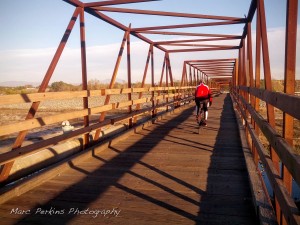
x=36 y=84
x=18 y=83
x=107 y=81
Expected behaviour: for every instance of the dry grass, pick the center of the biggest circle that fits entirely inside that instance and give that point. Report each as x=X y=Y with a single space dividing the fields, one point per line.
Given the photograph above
x=279 y=128
x=14 y=113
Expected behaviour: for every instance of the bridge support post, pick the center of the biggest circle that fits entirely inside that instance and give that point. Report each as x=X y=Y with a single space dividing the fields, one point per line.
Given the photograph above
x=257 y=70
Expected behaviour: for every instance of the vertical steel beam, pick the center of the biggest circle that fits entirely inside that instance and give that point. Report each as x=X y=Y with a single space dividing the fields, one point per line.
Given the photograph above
x=257 y=75
x=240 y=73
x=190 y=74
x=152 y=81
x=162 y=72
x=167 y=80
x=240 y=69
x=183 y=80
x=250 y=58
x=5 y=170
x=251 y=78
x=161 y=80
x=257 y=61
x=232 y=87
x=289 y=77
x=244 y=76
x=195 y=75
x=237 y=65
x=183 y=76
x=257 y=71
x=84 y=74
x=186 y=77
x=170 y=69
x=129 y=85
x=170 y=72
x=244 y=72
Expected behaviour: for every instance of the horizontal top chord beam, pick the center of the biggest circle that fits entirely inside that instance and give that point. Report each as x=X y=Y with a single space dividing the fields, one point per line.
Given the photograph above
x=196 y=40
x=189 y=34
x=162 y=13
x=202 y=49
x=188 y=25
x=201 y=45
x=114 y=2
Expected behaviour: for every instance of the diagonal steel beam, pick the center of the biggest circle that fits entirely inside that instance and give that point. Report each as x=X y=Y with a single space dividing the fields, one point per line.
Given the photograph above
x=5 y=170
x=115 y=23
x=75 y=3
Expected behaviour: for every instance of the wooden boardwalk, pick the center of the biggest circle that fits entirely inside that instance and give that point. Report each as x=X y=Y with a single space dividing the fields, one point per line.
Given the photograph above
x=164 y=174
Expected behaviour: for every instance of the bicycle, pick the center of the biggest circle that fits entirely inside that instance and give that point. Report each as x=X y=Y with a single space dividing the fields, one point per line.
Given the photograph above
x=201 y=118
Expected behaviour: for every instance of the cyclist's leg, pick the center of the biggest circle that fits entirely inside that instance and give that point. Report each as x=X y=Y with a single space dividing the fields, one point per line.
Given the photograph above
x=201 y=113
x=197 y=108
x=202 y=108
x=205 y=108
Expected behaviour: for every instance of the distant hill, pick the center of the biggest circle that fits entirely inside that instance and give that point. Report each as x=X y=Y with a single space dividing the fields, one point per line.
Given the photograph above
x=107 y=81
x=18 y=83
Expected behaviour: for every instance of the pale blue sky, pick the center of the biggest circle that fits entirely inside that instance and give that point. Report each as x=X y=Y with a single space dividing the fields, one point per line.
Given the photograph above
x=32 y=29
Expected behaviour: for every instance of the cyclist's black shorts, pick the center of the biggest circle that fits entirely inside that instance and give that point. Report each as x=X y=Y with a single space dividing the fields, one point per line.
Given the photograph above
x=202 y=103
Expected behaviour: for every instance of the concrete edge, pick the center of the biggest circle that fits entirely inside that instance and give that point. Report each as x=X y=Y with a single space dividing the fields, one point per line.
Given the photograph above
x=27 y=183
x=263 y=208
x=45 y=157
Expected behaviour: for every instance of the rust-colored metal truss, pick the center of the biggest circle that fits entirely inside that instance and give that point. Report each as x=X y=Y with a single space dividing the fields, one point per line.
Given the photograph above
x=241 y=73
x=97 y=8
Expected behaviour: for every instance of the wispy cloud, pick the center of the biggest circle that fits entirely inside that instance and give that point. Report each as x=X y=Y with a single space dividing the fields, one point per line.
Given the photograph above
x=32 y=64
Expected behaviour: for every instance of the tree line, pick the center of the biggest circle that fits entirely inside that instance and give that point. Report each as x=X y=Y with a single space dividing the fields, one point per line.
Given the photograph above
x=94 y=84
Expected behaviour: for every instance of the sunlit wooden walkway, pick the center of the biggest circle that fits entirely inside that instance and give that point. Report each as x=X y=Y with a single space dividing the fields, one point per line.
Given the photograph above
x=164 y=174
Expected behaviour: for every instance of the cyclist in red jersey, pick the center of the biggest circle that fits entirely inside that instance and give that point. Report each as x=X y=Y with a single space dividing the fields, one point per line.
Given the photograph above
x=202 y=96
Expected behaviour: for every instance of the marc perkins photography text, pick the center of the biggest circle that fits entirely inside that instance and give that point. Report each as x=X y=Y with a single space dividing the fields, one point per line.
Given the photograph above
x=71 y=211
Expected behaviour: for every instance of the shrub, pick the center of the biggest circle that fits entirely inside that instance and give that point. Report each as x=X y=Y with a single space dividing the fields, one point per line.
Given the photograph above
x=62 y=86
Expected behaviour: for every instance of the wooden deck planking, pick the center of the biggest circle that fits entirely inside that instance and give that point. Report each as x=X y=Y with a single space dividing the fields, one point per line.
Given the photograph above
x=164 y=174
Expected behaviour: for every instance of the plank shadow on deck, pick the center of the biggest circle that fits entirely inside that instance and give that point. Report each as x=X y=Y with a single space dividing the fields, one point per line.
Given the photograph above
x=164 y=174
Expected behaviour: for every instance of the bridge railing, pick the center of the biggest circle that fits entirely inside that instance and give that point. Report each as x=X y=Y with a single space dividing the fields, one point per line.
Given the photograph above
x=144 y=101
x=279 y=157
